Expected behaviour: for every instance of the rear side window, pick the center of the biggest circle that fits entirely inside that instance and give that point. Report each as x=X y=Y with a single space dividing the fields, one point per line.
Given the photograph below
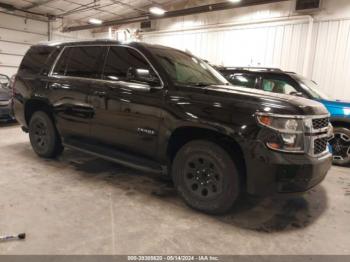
x=37 y=60
x=85 y=61
x=242 y=80
x=119 y=60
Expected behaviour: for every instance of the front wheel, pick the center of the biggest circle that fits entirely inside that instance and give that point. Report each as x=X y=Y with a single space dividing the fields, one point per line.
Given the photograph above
x=206 y=177
x=341 y=146
x=43 y=136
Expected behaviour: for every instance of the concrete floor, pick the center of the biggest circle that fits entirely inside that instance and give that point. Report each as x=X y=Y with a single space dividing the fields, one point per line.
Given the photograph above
x=79 y=204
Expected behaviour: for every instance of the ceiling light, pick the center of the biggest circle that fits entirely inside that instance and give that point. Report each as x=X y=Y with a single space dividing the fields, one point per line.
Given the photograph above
x=95 y=21
x=235 y=1
x=157 y=10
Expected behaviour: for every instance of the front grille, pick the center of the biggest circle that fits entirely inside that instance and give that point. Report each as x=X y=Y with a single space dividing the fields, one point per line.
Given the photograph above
x=320 y=145
x=320 y=123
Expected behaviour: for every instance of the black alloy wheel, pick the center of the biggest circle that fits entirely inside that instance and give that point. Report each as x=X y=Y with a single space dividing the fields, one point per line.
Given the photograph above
x=43 y=136
x=206 y=177
x=202 y=177
x=341 y=146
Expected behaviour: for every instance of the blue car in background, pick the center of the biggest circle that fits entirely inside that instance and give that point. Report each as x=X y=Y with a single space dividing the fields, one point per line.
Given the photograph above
x=278 y=81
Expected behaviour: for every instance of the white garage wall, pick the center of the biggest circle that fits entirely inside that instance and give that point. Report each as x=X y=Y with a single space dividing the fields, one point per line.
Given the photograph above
x=258 y=36
x=17 y=34
x=267 y=45
x=58 y=35
x=331 y=57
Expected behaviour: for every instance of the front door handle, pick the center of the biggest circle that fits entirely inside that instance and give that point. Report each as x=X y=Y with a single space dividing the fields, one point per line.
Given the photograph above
x=100 y=93
x=55 y=86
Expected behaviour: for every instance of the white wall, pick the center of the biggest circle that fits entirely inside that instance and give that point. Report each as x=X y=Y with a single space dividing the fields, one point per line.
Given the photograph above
x=269 y=35
x=58 y=35
x=16 y=36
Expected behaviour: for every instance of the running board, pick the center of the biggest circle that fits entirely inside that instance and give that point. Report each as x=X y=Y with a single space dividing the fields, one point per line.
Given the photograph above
x=116 y=156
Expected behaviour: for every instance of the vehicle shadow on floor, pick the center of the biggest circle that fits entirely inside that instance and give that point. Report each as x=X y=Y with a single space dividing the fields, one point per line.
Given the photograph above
x=268 y=215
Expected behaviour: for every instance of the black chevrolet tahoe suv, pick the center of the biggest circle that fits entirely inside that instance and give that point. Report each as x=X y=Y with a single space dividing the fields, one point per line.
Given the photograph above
x=161 y=110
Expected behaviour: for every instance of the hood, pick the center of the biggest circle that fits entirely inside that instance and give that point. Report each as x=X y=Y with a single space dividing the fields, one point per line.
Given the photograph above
x=337 y=108
x=271 y=102
x=5 y=94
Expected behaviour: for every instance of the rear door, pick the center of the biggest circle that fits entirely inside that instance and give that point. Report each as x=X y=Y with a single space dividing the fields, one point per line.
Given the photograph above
x=127 y=114
x=70 y=85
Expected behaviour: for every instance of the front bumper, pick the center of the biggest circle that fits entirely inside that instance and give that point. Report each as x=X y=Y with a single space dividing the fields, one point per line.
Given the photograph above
x=270 y=172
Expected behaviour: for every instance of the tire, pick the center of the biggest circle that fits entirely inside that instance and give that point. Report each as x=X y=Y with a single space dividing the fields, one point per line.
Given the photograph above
x=43 y=136
x=341 y=146
x=206 y=177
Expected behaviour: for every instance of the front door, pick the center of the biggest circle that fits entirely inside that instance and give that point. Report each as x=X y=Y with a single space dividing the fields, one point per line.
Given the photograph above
x=127 y=113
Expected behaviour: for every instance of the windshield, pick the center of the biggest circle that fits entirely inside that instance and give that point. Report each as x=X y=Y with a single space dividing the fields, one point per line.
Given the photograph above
x=312 y=88
x=186 y=69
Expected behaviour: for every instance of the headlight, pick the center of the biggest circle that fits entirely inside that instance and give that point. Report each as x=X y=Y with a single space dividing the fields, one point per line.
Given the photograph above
x=288 y=135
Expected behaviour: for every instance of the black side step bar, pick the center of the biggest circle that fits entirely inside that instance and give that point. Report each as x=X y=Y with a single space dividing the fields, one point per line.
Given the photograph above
x=117 y=156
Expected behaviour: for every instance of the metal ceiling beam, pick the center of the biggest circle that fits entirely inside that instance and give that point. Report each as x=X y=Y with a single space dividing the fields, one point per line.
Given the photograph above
x=176 y=13
x=37 y=4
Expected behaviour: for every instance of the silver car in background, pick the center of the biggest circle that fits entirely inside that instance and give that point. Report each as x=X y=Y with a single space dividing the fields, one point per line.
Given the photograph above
x=5 y=98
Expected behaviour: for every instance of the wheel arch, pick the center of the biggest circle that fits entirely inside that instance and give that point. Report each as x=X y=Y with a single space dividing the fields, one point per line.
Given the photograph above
x=184 y=134
x=339 y=122
x=34 y=105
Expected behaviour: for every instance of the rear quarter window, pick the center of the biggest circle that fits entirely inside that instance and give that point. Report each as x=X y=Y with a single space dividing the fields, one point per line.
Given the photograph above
x=38 y=60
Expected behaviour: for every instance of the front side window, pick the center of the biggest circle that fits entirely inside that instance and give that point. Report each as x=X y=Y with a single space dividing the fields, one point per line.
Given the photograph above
x=120 y=61
x=242 y=80
x=186 y=69
x=85 y=61
x=278 y=86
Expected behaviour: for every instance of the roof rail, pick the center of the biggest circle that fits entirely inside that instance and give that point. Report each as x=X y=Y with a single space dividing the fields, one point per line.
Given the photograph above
x=270 y=69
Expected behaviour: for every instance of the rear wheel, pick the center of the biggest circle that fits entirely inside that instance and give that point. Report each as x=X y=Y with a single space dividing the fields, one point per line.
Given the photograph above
x=206 y=177
x=341 y=146
x=43 y=136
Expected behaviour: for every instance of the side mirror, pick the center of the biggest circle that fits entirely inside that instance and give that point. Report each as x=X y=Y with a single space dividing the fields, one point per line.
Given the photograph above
x=143 y=75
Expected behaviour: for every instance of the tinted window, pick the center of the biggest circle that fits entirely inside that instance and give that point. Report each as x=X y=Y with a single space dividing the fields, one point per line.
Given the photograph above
x=36 y=59
x=120 y=60
x=278 y=86
x=242 y=80
x=60 y=68
x=81 y=62
x=186 y=69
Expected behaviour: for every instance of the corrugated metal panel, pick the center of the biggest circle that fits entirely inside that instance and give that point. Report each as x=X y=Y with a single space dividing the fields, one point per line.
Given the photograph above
x=281 y=45
x=331 y=61
x=17 y=23
x=13 y=48
x=16 y=36
x=269 y=45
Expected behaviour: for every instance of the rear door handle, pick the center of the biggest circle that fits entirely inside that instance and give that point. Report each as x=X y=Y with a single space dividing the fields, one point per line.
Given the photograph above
x=100 y=93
